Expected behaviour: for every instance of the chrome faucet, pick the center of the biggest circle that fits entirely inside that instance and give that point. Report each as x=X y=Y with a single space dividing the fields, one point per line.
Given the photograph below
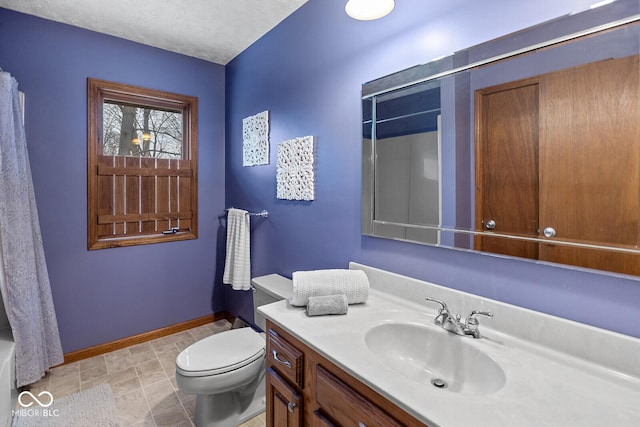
x=453 y=324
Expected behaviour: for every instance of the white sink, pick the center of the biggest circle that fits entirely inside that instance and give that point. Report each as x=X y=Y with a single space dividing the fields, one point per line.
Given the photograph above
x=435 y=357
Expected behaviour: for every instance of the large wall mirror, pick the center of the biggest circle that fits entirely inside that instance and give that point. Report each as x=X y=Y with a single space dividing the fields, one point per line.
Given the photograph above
x=526 y=146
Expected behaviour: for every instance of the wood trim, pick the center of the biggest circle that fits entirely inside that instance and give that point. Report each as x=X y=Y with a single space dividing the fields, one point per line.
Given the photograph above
x=138 y=171
x=99 y=349
x=122 y=241
x=110 y=219
x=137 y=95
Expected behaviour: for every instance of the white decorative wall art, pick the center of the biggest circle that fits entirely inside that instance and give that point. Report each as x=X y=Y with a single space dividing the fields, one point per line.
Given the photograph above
x=255 y=139
x=295 y=176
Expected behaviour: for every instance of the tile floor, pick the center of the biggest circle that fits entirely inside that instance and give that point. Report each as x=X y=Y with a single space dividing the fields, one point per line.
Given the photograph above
x=142 y=378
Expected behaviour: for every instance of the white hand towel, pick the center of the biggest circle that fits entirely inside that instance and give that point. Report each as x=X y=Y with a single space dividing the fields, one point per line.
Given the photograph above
x=353 y=283
x=237 y=265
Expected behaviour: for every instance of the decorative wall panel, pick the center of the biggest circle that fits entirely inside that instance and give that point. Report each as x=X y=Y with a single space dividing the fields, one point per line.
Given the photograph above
x=295 y=175
x=255 y=139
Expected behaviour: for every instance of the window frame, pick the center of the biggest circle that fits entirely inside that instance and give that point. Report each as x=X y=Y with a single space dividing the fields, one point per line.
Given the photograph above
x=97 y=92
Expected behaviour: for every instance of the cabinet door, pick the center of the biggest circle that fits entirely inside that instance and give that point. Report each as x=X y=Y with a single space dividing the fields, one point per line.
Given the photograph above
x=319 y=420
x=346 y=406
x=284 y=403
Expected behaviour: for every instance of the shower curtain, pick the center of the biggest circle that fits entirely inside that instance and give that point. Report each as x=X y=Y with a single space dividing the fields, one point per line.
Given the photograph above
x=26 y=291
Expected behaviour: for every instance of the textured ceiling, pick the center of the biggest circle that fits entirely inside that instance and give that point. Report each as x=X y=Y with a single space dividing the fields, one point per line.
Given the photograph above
x=214 y=30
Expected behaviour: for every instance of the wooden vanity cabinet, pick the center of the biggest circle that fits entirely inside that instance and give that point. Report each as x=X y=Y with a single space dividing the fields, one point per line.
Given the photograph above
x=306 y=389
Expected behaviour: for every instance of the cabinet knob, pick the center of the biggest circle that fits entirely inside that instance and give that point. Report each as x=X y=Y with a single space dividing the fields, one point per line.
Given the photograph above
x=549 y=232
x=490 y=225
x=291 y=406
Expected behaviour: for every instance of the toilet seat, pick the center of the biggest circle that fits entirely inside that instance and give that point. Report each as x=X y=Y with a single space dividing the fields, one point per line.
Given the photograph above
x=221 y=353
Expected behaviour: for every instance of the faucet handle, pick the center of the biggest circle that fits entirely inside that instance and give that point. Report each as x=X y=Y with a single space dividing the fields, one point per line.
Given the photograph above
x=471 y=320
x=471 y=324
x=443 y=305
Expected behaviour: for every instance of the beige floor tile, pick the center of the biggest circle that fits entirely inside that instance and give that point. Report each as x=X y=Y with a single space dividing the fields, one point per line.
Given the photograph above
x=168 y=352
x=180 y=336
x=201 y=332
x=59 y=379
x=174 y=417
x=118 y=354
x=140 y=348
x=174 y=382
x=189 y=404
x=64 y=388
x=133 y=408
x=122 y=376
x=168 y=362
x=219 y=326
x=161 y=397
x=143 y=356
x=92 y=363
x=142 y=378
x=119 y=360
x=150 y=372
x=65 y=370
x=93 y=373
x=259 y=421
x=161 y=346
x=64 y=382
x=147 y=422
x=185 y=343
x=126 y=386
x=111 y=379
x=120 y=364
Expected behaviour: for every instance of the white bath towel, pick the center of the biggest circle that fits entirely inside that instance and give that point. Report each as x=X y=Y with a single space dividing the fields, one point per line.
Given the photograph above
x=353 y=283
x=237 y=265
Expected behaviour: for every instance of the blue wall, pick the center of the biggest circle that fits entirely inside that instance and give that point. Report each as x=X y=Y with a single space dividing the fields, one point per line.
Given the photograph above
x=308 y=73
x=108 y=294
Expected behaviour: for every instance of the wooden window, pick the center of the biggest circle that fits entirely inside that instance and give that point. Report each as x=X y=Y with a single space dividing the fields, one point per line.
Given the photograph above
x=142 y=165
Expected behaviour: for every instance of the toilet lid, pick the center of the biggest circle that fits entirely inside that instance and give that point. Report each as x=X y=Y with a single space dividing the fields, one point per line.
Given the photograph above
x=220 y=353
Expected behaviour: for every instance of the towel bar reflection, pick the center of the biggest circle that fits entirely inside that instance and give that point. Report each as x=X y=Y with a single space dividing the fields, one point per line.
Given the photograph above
x=263 y=214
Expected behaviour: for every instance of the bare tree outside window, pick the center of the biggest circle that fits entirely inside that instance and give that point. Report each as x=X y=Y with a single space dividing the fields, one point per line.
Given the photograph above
x=141 y=132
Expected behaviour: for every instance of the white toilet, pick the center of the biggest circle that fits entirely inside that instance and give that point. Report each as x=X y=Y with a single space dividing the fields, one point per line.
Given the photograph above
x=227 y=370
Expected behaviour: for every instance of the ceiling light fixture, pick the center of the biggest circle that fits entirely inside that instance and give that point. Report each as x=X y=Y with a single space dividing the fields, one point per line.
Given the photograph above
x=367 y=10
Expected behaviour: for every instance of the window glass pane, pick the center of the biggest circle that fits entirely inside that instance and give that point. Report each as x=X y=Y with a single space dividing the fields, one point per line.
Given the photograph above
x=130 y=130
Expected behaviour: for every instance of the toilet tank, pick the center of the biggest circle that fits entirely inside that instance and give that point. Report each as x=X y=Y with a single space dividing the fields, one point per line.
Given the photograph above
x=268 y=289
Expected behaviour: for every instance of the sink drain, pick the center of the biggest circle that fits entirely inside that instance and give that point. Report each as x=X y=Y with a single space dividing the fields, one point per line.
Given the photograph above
x=440 y=383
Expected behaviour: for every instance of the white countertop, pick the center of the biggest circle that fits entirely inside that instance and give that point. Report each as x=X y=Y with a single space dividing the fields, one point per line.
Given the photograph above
x=544 y=387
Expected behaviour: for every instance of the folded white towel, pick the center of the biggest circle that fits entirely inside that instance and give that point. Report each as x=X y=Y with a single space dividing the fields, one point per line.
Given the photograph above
x=328 y=304
x=353 y=283
x=237 y=265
